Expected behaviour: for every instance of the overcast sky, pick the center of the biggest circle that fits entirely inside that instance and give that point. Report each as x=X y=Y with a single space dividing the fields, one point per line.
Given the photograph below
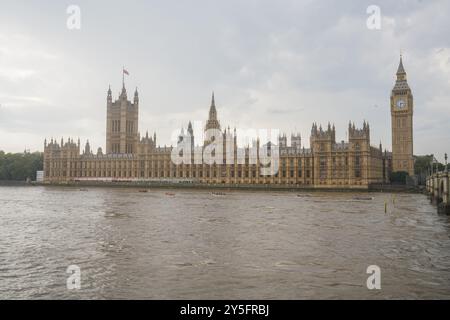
x=272 y=64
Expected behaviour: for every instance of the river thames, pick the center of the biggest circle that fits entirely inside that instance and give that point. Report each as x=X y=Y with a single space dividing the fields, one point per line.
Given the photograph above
x=193 y=244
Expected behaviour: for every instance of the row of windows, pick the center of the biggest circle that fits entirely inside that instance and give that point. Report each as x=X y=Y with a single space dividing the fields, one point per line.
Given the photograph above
x=115 y=148
x=129 y=148
x=115 y=125
x=174 y=174
x=211 y=171
x=401 y=122
x=187 y=174
x=336 y=163
x=339 y=168
x=129 y=126
x=151 y=163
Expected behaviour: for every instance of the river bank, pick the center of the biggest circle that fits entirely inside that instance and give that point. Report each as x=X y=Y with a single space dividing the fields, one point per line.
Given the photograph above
x=14 y=183
x=249 y=187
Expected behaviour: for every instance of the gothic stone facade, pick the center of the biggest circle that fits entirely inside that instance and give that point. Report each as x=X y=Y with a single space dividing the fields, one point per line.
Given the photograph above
x=326 y=164
x=402 y=123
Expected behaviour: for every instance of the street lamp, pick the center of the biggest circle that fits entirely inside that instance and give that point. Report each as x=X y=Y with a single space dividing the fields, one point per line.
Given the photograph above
x=434 y=165
x=445 y=157
x=433 y=168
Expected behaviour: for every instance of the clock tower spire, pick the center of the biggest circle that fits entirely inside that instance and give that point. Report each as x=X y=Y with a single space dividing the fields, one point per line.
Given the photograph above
x=402 y=123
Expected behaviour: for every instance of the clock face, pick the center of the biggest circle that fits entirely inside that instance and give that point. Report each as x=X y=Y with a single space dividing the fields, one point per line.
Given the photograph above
x=401 y=104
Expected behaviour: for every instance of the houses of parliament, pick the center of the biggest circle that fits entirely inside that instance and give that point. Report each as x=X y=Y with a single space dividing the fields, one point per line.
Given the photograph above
x=130 y=157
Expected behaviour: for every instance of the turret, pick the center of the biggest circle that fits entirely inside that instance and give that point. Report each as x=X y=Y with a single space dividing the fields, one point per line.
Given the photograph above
x=282 y=141
x=87 y=148
x=360 y=137
x=123 y=94
x=190 y=132
x=296 y=141
x=314 y=129
x=212 y=110
x=322 y=140
x=136 y=97
x=212 y=128
x=328 y=134
x=109 y=96
x=401 y=73
x=212 y=123
x=401 y=84
x=181 y=136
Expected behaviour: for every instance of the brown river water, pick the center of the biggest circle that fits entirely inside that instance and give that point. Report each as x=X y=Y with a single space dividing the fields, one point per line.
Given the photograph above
x=192 y=244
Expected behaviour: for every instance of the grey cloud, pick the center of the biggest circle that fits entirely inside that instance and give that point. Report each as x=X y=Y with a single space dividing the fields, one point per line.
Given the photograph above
x=304 y=61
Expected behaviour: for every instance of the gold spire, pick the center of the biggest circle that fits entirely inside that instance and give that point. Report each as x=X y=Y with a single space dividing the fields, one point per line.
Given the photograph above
x=401 y=69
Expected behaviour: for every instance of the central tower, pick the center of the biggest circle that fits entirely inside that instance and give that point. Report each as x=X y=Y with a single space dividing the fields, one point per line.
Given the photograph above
x=402 y=123
x=212 y=128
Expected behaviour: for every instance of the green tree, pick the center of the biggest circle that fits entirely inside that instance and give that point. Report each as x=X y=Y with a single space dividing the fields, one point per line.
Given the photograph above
x=399 y=177
x=422 y=163
x=20 y=166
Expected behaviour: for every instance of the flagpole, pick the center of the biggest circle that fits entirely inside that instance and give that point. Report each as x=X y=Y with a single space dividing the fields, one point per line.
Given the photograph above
x=123 y=76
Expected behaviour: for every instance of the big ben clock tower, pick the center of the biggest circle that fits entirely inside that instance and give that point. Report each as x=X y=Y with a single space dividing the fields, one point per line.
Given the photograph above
x=402 y=123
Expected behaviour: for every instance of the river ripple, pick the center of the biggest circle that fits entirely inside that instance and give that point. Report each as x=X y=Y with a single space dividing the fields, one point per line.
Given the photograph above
x=241 y=245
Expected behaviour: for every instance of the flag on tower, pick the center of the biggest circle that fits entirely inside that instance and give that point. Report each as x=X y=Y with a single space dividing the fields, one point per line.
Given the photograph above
x=126 y=72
